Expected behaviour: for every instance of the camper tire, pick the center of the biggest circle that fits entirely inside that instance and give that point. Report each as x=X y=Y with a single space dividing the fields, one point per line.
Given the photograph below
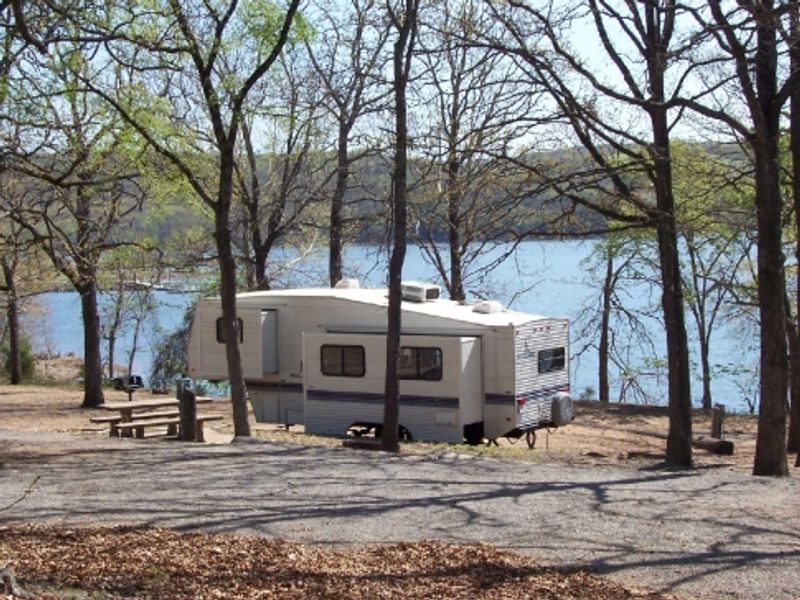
x=473 y=433
x=403 y=434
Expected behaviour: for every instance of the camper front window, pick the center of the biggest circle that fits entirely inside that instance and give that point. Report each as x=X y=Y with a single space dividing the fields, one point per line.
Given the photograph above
x=221 y=335
x=342 y=361
x=420 y=363
x=552 y=359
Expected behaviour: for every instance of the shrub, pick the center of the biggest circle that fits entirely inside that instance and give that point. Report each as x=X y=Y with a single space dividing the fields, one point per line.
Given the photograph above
x=169 y=355
x=27 y=359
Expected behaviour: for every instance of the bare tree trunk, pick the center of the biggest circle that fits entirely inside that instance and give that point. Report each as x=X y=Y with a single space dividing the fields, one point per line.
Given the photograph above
x=603 y=393
x=793 y=444
x=698 y=308
x=679 y=438
x=261 y=253
x=92 y=362
x=764 y=108
x=336 y=234
x=454 y=225
x=116 y=321
x=705 y=365
x=770 y=456
x=137 y=329
x=406 y=26
x=227 y=269
x=12 y=315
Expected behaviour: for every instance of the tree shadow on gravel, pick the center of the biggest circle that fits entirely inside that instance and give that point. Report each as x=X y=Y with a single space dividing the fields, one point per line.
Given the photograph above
x=616 y=521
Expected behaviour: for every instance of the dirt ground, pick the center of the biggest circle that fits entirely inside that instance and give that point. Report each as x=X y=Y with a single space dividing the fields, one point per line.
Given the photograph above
x=54 y=565
x=614 y=435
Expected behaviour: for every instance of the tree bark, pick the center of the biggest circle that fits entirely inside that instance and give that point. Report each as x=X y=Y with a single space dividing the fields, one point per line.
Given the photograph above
x=705 y=365
x=401 y=58
x=698 y=307
x=137 y=329
x=454 y=218
x=770 y=456
x=92 y=361
x=12 y=315
x=679 y=439
x=336 y=233
x=793 y=444
x=227 y=269
x=116 y=322
x=603 y=393
x=764 y=108
x=261 y=254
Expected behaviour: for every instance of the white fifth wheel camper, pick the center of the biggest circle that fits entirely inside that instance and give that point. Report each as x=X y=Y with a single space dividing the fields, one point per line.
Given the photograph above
x=316 y=357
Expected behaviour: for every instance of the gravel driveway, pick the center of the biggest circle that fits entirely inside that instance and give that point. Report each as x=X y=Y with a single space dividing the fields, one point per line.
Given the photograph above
x=715 y=534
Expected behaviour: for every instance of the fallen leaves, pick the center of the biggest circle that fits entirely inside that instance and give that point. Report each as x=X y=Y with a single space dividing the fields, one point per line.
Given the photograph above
x=165 y=564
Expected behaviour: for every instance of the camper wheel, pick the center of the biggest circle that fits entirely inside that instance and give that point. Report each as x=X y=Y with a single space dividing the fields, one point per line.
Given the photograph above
x=473 y=433
x=362 y=428
x=402 y=433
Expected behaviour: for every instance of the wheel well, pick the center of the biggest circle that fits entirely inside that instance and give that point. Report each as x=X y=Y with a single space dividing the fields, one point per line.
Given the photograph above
x=367 y=428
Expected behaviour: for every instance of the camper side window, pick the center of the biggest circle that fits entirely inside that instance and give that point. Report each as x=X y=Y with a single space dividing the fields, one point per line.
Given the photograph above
x=239 y=326
x=552 y=359
x=420 y=363
x=342 y=361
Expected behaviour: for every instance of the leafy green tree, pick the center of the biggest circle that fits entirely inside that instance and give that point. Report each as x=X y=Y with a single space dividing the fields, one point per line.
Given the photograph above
x=170 y=354
x=714 y=224
x=22 y=367
x=619 y=321
x=202 y=62
x=77 y=164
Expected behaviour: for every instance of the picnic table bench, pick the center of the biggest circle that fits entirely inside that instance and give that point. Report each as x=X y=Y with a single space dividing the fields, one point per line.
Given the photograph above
x=134 y=417
x=139 y=425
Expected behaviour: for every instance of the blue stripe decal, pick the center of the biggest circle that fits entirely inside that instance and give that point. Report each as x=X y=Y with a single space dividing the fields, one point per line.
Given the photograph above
x=506 y=399
x=542 y=393
x=501 y=399
x=372 y=398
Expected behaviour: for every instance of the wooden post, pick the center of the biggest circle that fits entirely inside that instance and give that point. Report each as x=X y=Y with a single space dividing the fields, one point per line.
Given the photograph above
x=188 y=417
x=717 y=418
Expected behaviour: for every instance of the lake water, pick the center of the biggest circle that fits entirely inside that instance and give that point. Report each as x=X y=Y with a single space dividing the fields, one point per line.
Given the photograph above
x=545 y=278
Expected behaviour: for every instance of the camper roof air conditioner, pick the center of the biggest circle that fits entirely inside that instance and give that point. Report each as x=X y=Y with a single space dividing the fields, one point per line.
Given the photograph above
x=347 y=284
x=415 y=291
x=487 y=307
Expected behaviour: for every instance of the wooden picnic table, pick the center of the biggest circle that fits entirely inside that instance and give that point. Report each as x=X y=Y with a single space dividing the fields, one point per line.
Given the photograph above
x=126 y=409
x=128 y=412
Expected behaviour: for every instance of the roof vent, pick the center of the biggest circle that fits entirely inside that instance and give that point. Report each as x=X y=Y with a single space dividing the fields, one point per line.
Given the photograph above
x=487 y=307
x=347 y=284
x=415 y=291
